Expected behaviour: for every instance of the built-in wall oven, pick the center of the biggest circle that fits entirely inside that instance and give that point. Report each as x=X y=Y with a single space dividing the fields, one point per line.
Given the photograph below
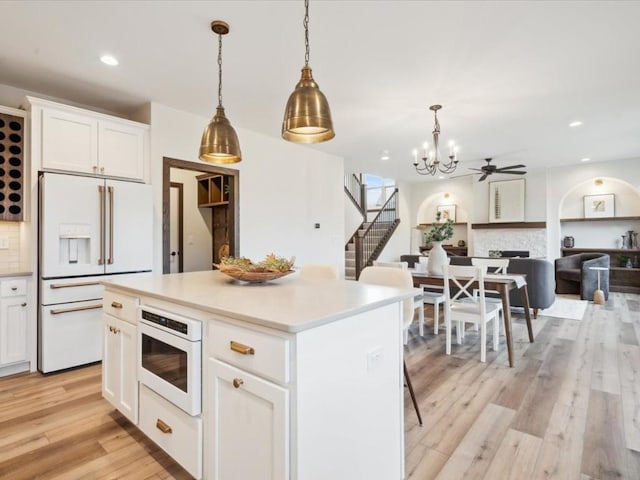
x=170 y=361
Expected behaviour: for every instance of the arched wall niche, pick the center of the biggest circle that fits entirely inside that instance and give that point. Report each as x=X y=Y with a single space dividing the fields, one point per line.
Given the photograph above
x=427 y=210
x=599 y=233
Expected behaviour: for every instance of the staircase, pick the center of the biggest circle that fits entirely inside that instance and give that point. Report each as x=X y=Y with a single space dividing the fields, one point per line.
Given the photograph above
x=369 y=240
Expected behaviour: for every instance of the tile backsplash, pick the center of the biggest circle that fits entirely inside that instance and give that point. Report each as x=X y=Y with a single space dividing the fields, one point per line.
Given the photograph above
x=10 y=257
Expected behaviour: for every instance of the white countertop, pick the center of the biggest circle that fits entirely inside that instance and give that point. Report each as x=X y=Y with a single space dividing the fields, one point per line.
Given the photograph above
x=16 y=272
x=291 y=303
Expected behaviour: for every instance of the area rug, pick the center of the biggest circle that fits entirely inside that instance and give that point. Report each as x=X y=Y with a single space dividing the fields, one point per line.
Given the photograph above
x=566 y=306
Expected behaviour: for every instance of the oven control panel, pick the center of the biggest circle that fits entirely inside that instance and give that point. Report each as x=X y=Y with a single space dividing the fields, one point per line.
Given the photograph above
x=170 y=322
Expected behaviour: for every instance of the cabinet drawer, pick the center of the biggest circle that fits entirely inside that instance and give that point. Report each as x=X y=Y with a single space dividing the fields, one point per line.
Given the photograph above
x=67 y=290
x=261 y=353
x=13 y=288
x=121 y=306
x=175 y=432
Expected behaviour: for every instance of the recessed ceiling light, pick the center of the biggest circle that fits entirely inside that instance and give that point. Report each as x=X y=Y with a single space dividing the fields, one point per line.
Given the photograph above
x=385 y=155
x=585 y=159
x=577 y=123
x=440 y=177
x=109 y=60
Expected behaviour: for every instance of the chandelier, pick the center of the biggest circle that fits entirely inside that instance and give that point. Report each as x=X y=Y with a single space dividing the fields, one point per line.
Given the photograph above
x=431 y=163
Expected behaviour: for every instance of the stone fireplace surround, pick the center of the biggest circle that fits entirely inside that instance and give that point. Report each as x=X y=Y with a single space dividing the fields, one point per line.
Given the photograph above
x=532 y=239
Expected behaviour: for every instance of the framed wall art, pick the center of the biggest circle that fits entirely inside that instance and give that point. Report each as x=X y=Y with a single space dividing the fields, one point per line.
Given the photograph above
x=597 y=206
x=506 y=201
x=447 y=212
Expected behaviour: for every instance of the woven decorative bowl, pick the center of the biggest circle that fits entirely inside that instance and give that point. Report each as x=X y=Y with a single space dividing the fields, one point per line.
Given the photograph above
x=255 y=277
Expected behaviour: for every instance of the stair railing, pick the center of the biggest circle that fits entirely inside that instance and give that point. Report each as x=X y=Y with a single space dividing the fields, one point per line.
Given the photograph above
x=370 y=243
x=355 y=190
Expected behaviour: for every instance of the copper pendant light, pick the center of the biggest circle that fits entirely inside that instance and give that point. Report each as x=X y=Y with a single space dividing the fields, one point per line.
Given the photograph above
x=307 y=117
x=219 y=141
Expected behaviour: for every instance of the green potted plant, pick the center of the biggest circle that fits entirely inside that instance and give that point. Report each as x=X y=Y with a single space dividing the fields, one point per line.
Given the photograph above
x=625 y=261
x=439 y=232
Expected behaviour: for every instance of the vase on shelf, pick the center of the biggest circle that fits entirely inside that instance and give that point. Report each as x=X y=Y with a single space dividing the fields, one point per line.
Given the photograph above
x=624 y=241
x=437 y=259
x=634 y=240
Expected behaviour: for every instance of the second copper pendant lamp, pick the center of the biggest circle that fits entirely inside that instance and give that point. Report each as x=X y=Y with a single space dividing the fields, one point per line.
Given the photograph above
x=219 y=141
x=307 y=117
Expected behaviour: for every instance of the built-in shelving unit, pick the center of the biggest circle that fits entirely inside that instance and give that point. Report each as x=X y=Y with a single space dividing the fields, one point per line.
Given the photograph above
x=213 y=190
x=424 y=226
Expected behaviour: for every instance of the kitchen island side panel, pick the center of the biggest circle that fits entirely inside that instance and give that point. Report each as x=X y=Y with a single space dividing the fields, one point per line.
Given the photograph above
x=348 y=419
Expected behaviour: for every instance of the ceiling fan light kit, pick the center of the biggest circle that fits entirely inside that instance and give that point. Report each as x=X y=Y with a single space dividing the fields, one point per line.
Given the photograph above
x=431 y=163
x=307 y=116
x=219 y=141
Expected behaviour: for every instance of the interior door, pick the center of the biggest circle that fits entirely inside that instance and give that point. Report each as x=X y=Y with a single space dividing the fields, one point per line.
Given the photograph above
x=175 y=227
x=128 y=227
x=70 y=225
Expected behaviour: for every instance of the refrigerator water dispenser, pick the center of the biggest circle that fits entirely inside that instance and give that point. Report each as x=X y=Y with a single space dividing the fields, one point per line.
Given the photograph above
x=75 y=244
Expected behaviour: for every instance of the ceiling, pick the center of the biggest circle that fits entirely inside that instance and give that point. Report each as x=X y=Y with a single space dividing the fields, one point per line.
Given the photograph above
x=511 y=76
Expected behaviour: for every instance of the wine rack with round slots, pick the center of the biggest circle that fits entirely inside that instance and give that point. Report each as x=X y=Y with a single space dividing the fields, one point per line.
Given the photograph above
x=11 y=167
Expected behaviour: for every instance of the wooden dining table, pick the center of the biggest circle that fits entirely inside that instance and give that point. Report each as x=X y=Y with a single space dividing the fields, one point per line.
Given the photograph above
x=500 y=283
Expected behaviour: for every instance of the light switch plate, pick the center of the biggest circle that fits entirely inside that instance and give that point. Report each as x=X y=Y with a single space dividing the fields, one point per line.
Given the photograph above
x=4 y=242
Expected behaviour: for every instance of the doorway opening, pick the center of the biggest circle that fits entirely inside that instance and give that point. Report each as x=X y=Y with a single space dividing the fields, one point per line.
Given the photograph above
x=210 y=208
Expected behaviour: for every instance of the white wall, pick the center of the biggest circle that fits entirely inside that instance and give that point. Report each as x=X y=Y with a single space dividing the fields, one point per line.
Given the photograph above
x=285 y=189
x=196 y=224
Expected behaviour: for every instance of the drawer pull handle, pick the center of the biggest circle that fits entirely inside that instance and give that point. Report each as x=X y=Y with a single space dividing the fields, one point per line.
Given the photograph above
x=71 y=285
x=240 y=348
x=237 y=382
x=75 y=309
x=116 y=304
x=24 y=304
x=163 y=427
x=14 y=288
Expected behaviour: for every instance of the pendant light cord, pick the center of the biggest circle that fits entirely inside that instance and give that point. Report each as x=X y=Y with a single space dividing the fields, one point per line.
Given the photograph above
x=219 y=70
x=306 y=33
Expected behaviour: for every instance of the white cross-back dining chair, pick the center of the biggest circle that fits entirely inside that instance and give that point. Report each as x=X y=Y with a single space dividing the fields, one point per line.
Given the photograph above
x=461 y=307
x=400 y=278
x=492 y=265
x=418 y=301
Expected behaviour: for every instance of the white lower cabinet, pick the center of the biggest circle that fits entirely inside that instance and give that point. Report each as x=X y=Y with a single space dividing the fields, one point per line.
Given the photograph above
x=249 y=422
x=176 y=432
x=13 y=330
x=119 y=374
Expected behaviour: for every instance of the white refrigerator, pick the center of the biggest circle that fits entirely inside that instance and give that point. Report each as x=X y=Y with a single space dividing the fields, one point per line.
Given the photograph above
x=90 y=228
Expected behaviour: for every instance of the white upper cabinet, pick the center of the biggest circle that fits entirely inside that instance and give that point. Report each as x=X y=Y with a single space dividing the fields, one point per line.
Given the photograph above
x=121 y=150
x=71 y=139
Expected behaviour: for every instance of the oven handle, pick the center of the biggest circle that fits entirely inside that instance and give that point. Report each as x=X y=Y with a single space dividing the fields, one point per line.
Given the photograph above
x=75 y=309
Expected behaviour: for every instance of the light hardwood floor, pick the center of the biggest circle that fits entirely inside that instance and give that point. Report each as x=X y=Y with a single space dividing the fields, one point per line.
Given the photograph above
x=570 y=409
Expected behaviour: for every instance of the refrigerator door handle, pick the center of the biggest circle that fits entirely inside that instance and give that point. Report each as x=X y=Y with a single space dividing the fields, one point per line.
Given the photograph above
x=110 y=259
x=101 y=220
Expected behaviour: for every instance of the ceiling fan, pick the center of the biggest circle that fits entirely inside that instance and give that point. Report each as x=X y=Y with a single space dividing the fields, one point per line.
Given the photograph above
x=490 y=169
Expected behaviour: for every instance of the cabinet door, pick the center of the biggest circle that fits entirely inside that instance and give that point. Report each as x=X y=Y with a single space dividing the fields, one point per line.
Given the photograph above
x=121 y=150
x=119 y=366
x=248 y=418
x=128 y=400
x=13 y=330
x=111 y=363
x=69 y=141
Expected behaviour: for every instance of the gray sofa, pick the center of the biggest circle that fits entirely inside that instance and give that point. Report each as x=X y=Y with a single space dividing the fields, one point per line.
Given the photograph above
x=540 y=280
x=574 y=275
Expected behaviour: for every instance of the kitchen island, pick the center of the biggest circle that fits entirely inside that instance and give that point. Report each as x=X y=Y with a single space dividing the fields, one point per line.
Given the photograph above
x=300 y=379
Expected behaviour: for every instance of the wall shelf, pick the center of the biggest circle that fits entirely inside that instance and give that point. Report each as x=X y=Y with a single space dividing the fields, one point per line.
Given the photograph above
x=424 y=226
x=599 y=219
x=213 y=190
x=488 y=226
